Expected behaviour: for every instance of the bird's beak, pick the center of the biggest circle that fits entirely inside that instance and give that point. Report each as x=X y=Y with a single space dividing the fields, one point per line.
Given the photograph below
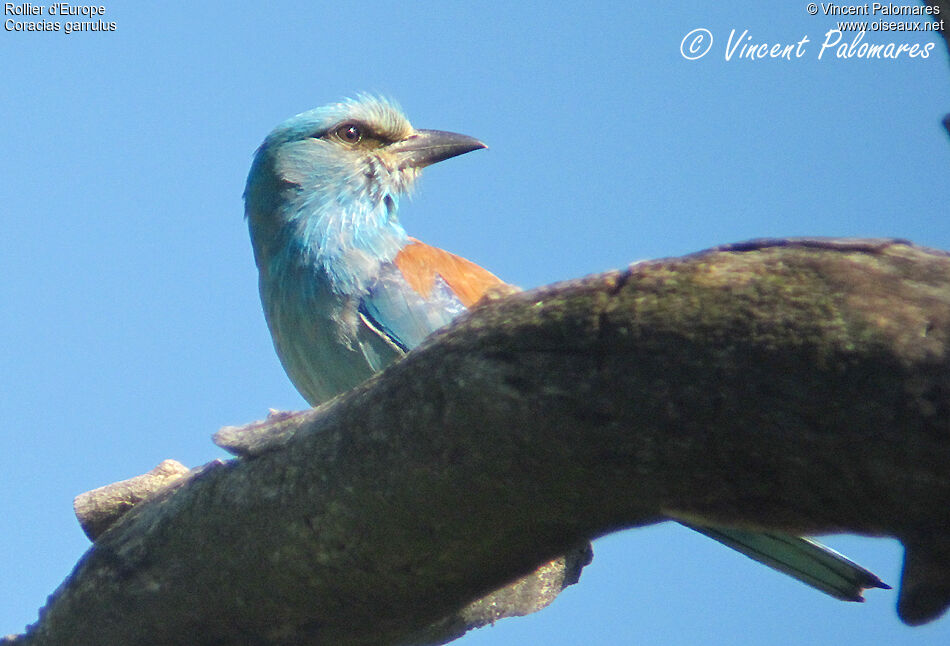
x=425 y=147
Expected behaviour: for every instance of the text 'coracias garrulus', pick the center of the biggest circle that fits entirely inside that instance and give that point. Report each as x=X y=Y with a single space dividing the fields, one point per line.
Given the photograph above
x=345 y=291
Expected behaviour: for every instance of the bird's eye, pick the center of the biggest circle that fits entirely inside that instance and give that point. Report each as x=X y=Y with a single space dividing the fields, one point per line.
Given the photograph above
x=350 y=133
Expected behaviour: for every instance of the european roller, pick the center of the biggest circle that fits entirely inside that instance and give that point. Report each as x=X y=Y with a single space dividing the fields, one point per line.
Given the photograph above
x=346 y=291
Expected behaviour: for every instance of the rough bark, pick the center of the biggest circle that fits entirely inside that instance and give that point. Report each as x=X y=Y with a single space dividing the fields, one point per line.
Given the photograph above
x=794 y=385
x=99 y=509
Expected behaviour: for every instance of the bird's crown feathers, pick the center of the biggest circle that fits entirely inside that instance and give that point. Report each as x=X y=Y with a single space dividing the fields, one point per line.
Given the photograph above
x=382 y=116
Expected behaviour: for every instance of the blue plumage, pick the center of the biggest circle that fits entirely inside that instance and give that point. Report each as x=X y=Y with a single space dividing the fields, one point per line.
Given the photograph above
x=321 y=203
x=346 y=291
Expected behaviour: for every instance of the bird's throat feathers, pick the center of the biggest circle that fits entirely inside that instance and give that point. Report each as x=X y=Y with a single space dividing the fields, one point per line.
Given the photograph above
x=312 y=214
x=345 y=239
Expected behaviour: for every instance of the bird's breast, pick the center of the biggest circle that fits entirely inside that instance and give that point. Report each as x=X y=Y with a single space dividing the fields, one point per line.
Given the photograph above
x=323 y=342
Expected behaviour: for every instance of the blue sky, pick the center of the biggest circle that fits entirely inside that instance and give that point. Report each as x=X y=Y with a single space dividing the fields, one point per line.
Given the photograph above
x=131 y=319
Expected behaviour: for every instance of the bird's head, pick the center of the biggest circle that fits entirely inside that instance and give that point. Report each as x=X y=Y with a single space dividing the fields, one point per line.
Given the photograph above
x=330 y=179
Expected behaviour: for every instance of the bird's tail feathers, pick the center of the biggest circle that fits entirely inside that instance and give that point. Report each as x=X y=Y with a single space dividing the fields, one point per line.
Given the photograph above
x=801 y=558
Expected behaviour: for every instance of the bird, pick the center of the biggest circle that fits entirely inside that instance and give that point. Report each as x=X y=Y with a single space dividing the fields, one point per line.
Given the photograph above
x=346 y=291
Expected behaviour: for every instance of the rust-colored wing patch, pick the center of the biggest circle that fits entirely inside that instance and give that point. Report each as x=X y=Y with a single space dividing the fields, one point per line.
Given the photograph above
x=421 y=263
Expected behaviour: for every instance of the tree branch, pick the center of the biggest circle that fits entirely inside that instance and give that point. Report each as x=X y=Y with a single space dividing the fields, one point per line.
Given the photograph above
x=943 y=13
x=791 y=385
x=943 y=16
